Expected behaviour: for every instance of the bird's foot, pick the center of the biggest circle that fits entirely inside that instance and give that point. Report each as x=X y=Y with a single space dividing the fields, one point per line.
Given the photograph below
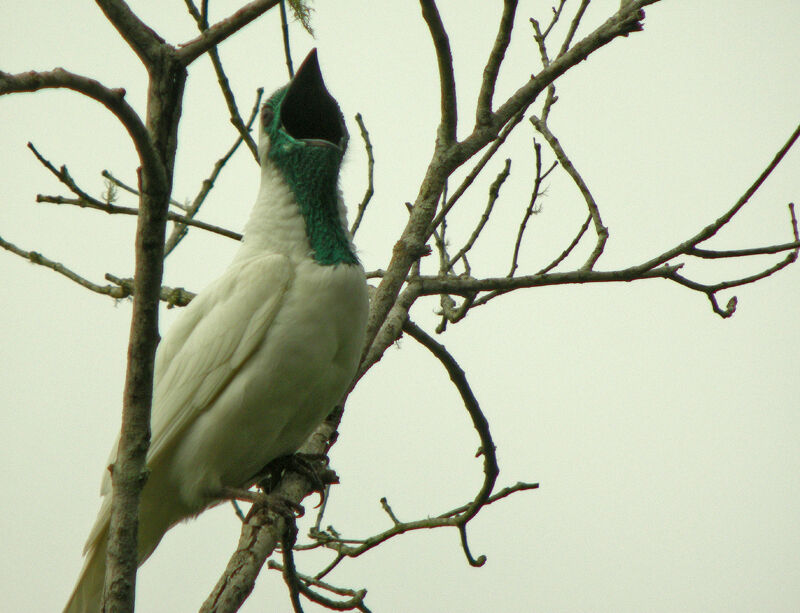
x=281 y=505
x=314 y=467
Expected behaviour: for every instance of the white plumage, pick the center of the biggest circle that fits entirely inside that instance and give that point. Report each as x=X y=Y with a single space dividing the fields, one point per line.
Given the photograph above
x=251 y=367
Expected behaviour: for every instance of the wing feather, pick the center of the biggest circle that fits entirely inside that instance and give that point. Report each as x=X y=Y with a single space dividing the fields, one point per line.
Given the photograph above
x=209 y=343
x=237 y=313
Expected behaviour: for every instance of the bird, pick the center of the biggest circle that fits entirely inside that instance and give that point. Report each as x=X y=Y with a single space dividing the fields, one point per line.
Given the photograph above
x=259 y=357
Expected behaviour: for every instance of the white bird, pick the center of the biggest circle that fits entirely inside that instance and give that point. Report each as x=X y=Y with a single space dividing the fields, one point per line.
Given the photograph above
x=265 y=352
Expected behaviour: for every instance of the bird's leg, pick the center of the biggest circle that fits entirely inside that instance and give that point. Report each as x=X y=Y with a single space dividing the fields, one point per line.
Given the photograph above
x=313 y=466
x=279 y=504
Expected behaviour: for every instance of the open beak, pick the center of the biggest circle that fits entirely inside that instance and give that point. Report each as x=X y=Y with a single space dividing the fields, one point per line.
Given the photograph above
x=308 y=111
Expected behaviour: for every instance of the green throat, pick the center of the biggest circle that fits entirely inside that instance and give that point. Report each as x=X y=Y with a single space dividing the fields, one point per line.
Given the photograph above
x=311 y=169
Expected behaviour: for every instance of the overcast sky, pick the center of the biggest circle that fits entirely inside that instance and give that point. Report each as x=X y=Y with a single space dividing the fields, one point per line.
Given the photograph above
x=664 y=438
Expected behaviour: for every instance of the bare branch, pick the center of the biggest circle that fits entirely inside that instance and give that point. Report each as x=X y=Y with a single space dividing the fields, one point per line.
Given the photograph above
x=112 y=99
x=173 y=296
x=494 y=194
x=711 y=229
x=594 y=211
x=554 y=19
x=201 y=18
x=84 y=200
x=573 y=27
x=449 y=155
x=38 y=258
x=484 y=110
x=180 y=229
x=464 y=286
x=487 y=448
x=531 y=210
x=711 y=290
x=447 y=82
x=362 y=207
x=448 y=203
x=357 y=596
x=569 y=248
x=114 y=209
x=131 y=190
x=738 y=253
x=285 y=30
x=352 y=548
x=191 y=50
x=626 y=20
x=144 y=41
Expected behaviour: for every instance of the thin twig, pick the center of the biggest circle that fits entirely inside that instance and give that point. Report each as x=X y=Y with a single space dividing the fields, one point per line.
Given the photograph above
x=447 y=204
x=569 y=248
x=573 y=27
x=84 y=200
x=289 y=571
x=553 y=20
x=201 y=18
x=114 y=209
x=357 y=596
x=180 y=230
x=566 y=164
x=37 y=258
x=362 y=207
x=483 y=113
x=131 y=190
x=710 y=254
x=285 y=30
x=449 y=518
x=389 y=512
x=531 y=210
x=487 y=448
x=447 y=82
x=494 y=194
x=711 y=229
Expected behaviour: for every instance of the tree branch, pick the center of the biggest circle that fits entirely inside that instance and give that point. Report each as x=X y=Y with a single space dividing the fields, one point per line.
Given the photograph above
x=531 y=210
x=447 y=82
x=594 y=211
x=144 y=41
x=487 y=448
x=191 y=50
x=483 y=114
x=370 y=190
x=711 y=229
x=112 y=99
x=201 y=18
x=84 y=200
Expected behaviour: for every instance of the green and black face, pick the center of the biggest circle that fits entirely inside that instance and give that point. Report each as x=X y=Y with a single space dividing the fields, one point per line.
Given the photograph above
x=303 y=135
x=303 y=115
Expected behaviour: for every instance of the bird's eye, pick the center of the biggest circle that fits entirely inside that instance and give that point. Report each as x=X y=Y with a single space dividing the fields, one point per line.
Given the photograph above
x=267 y=114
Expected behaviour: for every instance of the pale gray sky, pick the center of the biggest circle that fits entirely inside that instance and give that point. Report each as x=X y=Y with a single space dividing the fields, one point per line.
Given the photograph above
x=664 y=438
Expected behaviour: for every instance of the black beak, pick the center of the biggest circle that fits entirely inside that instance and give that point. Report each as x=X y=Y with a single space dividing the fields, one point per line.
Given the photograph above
x=308 y=111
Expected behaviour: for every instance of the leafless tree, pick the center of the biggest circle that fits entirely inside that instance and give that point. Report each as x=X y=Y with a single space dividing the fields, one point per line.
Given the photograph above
x=397 y=286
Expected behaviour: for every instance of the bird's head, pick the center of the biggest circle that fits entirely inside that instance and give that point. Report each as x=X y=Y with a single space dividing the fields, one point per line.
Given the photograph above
x=302 y=119
x=303 y=136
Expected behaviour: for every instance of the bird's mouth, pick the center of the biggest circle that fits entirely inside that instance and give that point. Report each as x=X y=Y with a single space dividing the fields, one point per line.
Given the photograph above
x=308 y=111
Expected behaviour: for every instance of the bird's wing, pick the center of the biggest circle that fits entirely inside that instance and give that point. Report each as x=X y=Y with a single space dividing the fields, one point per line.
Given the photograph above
x=209 y=343
x=237 y=312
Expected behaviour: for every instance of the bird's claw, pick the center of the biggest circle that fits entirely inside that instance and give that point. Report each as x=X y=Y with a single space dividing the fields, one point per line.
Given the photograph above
x=281 y=505
x=313 y=466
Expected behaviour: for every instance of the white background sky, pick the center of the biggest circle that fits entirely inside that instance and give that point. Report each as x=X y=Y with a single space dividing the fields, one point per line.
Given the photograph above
x=664 y=438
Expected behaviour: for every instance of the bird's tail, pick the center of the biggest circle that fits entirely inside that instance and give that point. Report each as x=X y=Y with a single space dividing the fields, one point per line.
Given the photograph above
x=156 y=516
x=88 y=592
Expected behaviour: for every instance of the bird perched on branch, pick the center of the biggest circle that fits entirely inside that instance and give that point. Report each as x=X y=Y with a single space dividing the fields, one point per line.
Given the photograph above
x=264 y=353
